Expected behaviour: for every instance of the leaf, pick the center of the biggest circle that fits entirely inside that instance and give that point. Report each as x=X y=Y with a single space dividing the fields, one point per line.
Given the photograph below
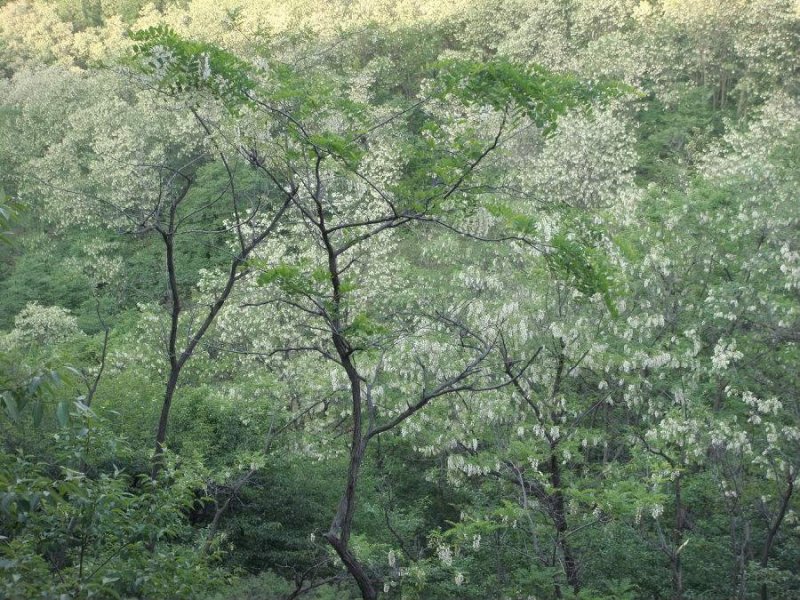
x=34 y=384
x=363 y=325
x=185 y=66
x=62 y=414
x=81 y=407
x=37 y=410
x=10 y=404
x=74 y=371
x=5 y=503
x=534 y=91
x=517 y=221
x=337 y=145
x=289 y=278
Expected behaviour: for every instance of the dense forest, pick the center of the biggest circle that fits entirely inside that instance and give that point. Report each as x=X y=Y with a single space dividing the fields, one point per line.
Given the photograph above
x=416 y=299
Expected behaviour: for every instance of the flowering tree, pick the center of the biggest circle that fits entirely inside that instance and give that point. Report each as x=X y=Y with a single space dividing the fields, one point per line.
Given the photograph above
x=355 y=178
x=481 y=329
x=113 y=165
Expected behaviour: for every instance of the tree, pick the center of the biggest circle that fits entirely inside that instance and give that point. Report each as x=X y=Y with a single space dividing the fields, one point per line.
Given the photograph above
x=114 y=159
x=352 y=193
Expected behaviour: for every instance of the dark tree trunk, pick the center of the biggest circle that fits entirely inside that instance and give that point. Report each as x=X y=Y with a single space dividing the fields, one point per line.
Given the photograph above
x=356 y=570
x=339 y=534
x=559 y=514
x=161 y=433
x=773 y=531
x=677 y=567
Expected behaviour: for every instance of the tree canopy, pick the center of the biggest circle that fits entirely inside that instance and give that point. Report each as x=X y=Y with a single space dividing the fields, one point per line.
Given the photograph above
x=411 y=299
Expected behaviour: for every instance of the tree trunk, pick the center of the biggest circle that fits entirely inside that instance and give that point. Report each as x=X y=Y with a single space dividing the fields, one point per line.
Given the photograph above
x=740 y=544
x=339 y=534
x=677 y=567
x=559 y=513
x=773 y=531
x=356 y=570
x=161 y=433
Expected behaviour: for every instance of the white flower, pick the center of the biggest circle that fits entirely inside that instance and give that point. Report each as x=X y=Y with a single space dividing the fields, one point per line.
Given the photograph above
x=205 y=67
x=724 y=354
x=657 y=510
x=476 y=541
x=445 y=555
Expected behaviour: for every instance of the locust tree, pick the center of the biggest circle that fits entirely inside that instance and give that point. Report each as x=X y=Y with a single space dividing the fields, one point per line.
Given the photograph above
x=709 y=421
x=140 y=164
x=530 y=446
x=362 y=183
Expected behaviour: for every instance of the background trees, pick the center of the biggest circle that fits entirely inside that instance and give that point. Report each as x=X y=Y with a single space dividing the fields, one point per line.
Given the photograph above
x=424 y=319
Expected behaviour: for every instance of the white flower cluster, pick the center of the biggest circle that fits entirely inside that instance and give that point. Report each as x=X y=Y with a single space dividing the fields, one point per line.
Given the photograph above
x=456 y=462
x=725 y=353
x=445 y=555
x=763 y=406
x=657 y=510
x=729 y=436
x=790 y=266
x=37 y=325
x=99 y=263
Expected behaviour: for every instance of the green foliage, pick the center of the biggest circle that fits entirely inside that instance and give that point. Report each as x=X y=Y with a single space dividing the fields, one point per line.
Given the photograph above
x=664 y=423
x=66 y=532
x=400 y=59
x=40 y=274
x=583 y=267
x=269 y=586
x=282 y=541
x=362 y=326
x=671 y=136
x=31 y=397
x=337 y=146
x=532 y=90
x=8 y=209
x=290 y=278
x=516 y=221
x=182 y=66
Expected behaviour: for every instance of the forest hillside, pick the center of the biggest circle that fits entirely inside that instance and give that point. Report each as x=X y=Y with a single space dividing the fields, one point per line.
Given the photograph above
x=400 y=299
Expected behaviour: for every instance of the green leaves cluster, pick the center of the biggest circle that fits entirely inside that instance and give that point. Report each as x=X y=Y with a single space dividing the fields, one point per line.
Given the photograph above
x=20 y=398
x=582 y=266
x=338 y=146
x=180 y=65
x=290 y=278
x=573 y=255
x=530 y=90
x=87 y=535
